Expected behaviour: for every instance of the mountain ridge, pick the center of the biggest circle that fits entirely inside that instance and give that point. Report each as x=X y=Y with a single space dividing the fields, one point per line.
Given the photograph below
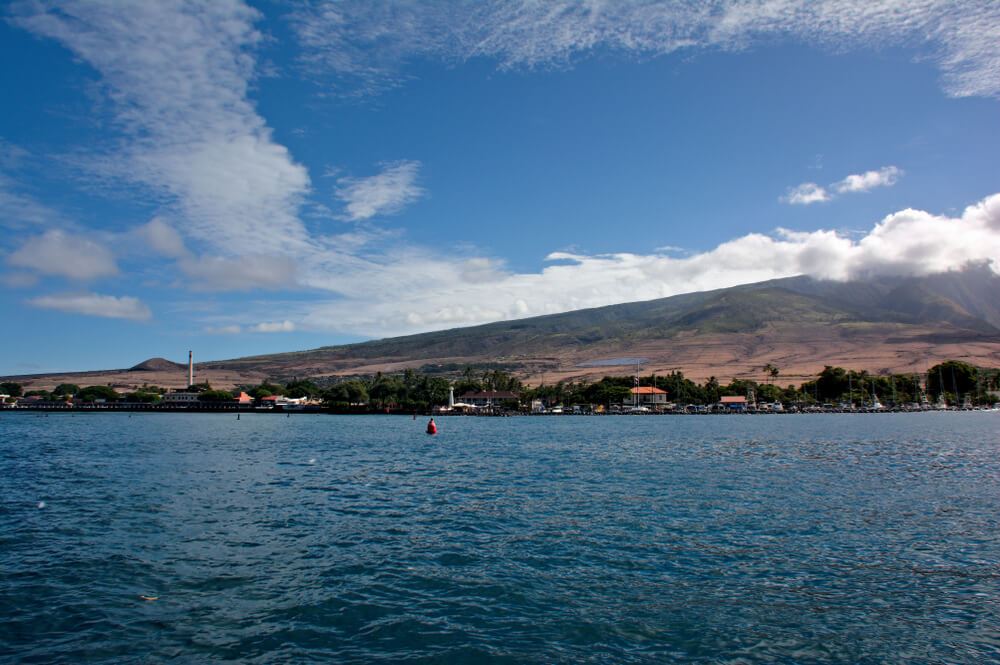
x=799 y=324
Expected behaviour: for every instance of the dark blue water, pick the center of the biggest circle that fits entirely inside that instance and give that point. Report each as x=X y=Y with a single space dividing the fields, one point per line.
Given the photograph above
x=837 y=538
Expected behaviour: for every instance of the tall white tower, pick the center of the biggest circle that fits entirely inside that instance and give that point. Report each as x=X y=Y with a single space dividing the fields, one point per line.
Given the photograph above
x=190 y=368
x=451 y=397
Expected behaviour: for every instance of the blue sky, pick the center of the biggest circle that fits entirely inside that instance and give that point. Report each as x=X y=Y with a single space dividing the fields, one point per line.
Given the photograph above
x=242 y=178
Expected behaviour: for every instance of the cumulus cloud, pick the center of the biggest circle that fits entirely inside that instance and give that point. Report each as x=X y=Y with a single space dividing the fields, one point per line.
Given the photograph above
x=95 y=304
x=178 y=75
x=810 y=192
x=385 y=193
x=806 y=193
x=863 y=182
x=59 y=253
x=370 y=41
x=387 y=301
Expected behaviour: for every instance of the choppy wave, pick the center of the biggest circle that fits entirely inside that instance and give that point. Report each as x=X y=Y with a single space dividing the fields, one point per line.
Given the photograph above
x=359 y=539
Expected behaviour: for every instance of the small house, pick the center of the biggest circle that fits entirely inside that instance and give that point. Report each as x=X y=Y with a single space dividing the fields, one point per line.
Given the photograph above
x=648 y=396
x=733 y=403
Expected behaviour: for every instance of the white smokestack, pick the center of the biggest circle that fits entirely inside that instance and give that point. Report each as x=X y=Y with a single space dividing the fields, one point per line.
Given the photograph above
x=190 y=368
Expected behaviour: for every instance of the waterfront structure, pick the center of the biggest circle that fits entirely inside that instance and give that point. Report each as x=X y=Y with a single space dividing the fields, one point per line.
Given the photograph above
x=488 y=397
x=648 y=396
x=180 y=398
x=733 y=403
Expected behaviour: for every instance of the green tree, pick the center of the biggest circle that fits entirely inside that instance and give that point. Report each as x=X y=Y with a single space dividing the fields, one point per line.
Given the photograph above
x=215 y=396
x=303 y=388
x=387 y=391
x=832 y=383
x=347 y=392
x=142 y=396
x=11 y=388
x=66 y=389
x=954 y=378
x=94 y=393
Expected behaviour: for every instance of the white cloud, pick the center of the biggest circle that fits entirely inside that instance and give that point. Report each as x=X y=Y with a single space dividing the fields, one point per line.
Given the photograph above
x=59 y=253
x=383 y=194
x=162 y=238
x=384 y=299
x=273 y=327
x=370 y=41
x=264 y=327
x=217 y=273
x=178 y=75
x=863 y=182
x=18 y=280
x=806 y=193
x=94 y=304
x=810 y=192
x=19 y=210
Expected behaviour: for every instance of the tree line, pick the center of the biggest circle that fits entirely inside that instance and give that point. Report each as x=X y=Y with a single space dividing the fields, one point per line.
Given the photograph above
x=952 y=380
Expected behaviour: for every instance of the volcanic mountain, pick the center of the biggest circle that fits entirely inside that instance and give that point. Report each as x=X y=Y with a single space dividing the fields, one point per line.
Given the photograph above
x=798 y=324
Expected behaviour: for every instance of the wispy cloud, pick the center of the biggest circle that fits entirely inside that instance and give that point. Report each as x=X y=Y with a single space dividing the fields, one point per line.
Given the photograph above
x=809 y=192
x=863 y=182
x=385 y=193
x=178 y=75
x=369 y=41
x=94 y=304
x=224 y=330
x=18 y=208
x=217 y=273
x=59 y=253
x=273 y=327
x=263 y=327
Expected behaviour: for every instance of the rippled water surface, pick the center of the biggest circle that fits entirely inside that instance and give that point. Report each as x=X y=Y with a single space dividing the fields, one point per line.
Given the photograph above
x=826 y=538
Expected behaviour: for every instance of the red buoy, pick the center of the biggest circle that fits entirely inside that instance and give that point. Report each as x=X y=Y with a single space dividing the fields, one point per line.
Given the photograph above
x=431 y=427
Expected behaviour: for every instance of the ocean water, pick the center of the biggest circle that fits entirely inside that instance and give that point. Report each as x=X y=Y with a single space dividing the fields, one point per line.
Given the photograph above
x=744 y=539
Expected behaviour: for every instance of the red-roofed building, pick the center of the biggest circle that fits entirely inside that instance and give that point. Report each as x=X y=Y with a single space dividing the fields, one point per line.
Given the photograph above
x=649 y=396
x=733 y=403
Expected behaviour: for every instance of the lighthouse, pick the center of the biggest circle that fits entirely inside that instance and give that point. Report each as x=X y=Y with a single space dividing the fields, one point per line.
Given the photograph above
x=190 y=368
x=451 y=397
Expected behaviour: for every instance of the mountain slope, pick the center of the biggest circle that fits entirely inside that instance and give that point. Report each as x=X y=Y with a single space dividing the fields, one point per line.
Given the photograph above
x=895 y=323
x=798 y=324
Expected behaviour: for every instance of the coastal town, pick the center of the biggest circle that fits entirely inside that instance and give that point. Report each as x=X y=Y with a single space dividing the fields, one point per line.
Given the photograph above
x=950 y=385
